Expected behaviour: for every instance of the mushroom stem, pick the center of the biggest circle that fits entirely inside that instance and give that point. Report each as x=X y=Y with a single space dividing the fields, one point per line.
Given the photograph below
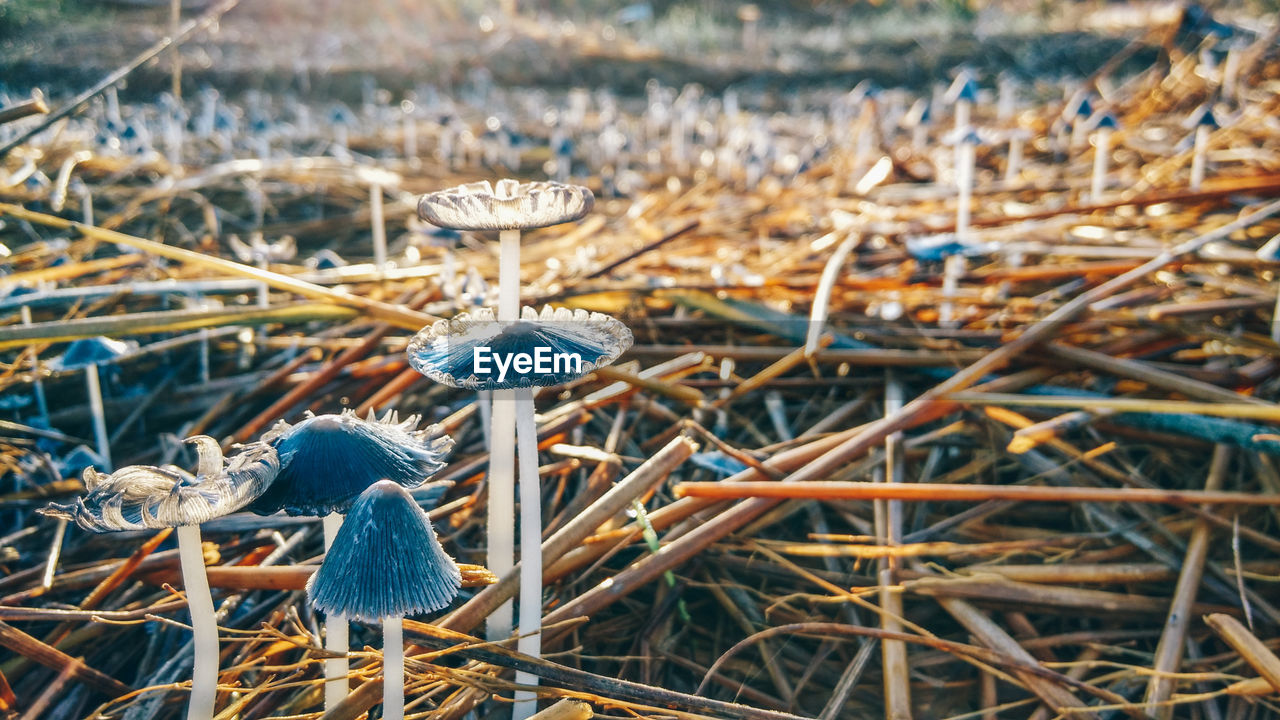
x=530 y=642
x=1199 y=156
x=1013 y=165
x=502 y=441
x=99 y=416
x=502 y=510
x=204 y=625
x=509 y=276
x=393 y=668
x=954 y=266
x=1100 y=156
x=378 y=228
x=335 y=635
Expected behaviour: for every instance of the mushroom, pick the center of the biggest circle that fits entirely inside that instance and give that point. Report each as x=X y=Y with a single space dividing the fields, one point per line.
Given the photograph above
x=1077 y=114
x=1205 y=123
x=508 y=207
x=965 y=140
x=385 y=563
x=1103 y=126
x=140 y=497
x=551 y=347
x=326 y=461
x=87 y=354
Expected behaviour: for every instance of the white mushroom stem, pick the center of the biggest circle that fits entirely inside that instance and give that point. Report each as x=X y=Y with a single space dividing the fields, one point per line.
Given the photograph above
x=393 y=668
x=502 y=442
x=99 y=416
x=1230 y=74
x=1101 y=153
x=336 y=686
x=530 y=642
x=963 y=108
x=86 y=207
x=509 y=276
x=1013 y=166
x=410 y=138
x=954 y=266
x=204 y=625
x=502 y=510
x=378 y=228
x=1199 y=156
x=1006 y=98
x=964 y=181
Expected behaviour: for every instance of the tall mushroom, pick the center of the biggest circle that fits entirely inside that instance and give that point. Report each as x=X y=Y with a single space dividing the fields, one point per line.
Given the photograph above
x=508 y=207
x=475 y=351
x=385 y=563
x=326 y=461
x=140 y=497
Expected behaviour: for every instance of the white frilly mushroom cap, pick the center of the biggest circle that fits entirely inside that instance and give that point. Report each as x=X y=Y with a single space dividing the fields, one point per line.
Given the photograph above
x=510 y=205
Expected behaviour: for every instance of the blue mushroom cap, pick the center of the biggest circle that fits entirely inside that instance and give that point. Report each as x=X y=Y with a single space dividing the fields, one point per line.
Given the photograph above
x=963 y=88
x=140 y=497
x=90 y=351
x=328 y=460
x=562 y=344
x=385 y=561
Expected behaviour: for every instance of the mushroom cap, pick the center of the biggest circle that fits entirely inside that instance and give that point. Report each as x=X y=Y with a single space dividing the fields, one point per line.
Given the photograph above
x=327 y=460
x=385 y=561
x=510 y=205
x=963 y=136
x=1203 y=116
x=90 y=351
x=964 y=87
x=1106 y=121
x=445 y=351
x=140 y=497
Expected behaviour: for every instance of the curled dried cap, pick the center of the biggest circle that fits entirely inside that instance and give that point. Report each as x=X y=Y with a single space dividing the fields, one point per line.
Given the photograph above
x=140 y=497
x=326 y=461
x=385 y=561
x=510 y=205
x=558 y=345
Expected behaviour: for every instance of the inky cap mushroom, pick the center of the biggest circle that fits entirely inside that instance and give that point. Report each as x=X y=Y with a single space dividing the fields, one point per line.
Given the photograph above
x=568 y=343
x=327 y=460
x=142 y=497
x=385 y=561
x=90 y=351
x=510 y=205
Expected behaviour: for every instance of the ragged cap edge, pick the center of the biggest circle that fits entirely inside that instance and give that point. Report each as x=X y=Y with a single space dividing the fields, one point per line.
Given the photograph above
x=510 y=206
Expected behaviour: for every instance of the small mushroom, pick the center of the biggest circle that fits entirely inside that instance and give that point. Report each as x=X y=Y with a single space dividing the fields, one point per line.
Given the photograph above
x=385 y=563
x=140 y=497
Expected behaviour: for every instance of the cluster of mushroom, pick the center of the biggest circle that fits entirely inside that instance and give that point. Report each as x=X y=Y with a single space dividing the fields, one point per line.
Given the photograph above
x=469 y=350
x=324 y=464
